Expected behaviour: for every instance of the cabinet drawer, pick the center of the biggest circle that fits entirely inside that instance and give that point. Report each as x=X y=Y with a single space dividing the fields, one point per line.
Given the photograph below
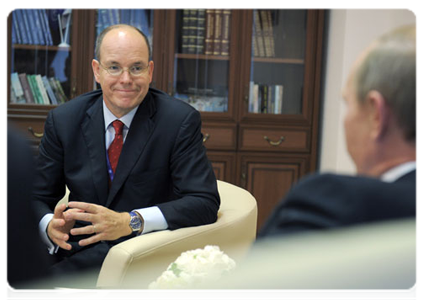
x=32 y=127
x=219 y=137
x=271 y=139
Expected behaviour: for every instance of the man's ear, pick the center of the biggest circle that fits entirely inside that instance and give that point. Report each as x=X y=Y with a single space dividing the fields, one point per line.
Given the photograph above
x=150 y=70
x=379 y=114
x=96 y=70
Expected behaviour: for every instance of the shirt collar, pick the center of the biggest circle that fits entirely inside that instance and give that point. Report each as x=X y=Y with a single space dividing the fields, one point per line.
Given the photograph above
x=109 y=117
x=396 y=172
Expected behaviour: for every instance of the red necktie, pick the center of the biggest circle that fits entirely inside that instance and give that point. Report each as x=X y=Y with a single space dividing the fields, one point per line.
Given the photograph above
x=116 y=146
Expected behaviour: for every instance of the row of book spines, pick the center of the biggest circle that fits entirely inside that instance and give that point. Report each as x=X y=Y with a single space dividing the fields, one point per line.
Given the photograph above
x=36 y=89
x=31 y=26
x=266 y=98
x=206 y=31
x=263 y=35
x=134 y=17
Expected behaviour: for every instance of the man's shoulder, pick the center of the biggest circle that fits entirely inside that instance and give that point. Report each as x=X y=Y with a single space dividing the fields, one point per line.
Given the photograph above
x=167 y=103
x=79 y=104
x=351 y=186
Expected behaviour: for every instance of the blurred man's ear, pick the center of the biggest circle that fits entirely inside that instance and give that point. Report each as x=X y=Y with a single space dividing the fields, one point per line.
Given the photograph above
x=96 y=70
x=379 y=114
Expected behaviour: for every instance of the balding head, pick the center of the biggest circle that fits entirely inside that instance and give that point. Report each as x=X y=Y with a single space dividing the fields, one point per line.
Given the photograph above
x=102 y=35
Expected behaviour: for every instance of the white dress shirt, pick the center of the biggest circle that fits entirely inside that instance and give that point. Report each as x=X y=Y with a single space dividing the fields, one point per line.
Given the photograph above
x=398 y=171
x=153 y=217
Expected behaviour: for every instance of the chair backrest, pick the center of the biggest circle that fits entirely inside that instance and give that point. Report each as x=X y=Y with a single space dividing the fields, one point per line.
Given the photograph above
x=137 y=262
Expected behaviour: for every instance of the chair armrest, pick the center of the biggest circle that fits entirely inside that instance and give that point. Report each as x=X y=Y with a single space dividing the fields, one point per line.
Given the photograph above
x=137 y=262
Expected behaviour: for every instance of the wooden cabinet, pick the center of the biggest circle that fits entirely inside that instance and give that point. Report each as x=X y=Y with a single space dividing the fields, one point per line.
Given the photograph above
x=262 y=135
x=253 y=74
x=269 y=177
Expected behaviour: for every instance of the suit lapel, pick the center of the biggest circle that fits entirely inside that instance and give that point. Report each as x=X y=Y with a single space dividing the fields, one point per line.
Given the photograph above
x=138 y=135
x=94 y=135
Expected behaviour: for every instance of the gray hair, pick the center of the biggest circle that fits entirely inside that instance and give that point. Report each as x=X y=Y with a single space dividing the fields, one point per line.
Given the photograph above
x=110 y=28
x=390 y=69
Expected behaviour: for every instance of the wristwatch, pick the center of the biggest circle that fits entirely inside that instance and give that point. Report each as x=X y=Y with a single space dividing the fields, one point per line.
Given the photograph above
x=136 y=222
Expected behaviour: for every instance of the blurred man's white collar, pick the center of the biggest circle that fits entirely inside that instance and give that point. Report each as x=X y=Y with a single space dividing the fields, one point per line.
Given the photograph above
x=395 y=173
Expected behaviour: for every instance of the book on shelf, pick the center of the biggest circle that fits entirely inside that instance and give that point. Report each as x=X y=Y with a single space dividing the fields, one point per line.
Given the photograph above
x=271 y=34
x=226 y=26
x=42 y=89
x=18 y=19
x=36 y=89
x=26 y=88
x=265 y=98
x=193 y=31
x=258 y=35
x=208 y=41
x=51 y=95
x=58 y=90
x=16 y=35
x=45 y=26
x=263 y=34
x=28 y=14
x=205 y=31
x=266 y=22
x=31 y=27
x=217 y=37
x=18 y=92
x=200 y=30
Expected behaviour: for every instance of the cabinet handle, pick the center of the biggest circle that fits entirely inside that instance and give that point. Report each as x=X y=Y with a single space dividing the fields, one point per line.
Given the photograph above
x=37 y=135
x=274 y=143
x=206 y=137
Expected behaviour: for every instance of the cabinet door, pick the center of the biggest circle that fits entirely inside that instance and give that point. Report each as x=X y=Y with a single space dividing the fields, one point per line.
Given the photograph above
x=280 y=65
x=47 y=53
x=223 y=164
x=268 y=178
x=40 y=56
x=200 y=59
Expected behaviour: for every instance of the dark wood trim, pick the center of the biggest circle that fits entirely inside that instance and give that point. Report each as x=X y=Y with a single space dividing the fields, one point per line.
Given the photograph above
x=317 y=89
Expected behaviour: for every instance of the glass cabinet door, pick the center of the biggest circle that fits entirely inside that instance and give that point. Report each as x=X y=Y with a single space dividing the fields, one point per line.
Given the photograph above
x=277 y=62
x=40 y=56
x=201 y=66
x=139 y=18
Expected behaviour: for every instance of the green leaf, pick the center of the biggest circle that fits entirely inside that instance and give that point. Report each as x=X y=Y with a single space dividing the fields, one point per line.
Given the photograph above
x=175 y=270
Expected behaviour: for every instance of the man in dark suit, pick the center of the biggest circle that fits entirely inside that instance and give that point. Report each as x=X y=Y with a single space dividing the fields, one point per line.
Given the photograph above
x=23 y=270
x=380 y=127
x=163 y=179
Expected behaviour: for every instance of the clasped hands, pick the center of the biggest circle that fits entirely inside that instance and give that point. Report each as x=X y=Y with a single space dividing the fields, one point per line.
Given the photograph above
x=106 y=224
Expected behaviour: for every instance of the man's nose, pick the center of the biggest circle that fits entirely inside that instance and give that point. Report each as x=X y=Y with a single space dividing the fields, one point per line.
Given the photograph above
x=125 y=76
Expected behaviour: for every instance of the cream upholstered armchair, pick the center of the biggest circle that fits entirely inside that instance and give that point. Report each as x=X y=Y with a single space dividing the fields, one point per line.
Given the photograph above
x=139 y=261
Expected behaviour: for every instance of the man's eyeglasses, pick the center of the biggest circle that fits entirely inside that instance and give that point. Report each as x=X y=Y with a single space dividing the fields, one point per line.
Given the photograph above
x=116 y=70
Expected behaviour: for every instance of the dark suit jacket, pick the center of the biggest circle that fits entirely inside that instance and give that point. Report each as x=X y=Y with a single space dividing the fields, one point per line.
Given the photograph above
x=163 y=161
x=22 y=229
x=329 y=201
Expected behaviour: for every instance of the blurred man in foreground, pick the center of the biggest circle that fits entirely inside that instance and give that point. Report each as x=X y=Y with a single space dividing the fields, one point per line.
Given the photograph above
x=380 y=129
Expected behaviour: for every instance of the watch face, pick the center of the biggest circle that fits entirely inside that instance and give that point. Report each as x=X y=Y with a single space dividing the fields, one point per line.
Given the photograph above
x=135 y=221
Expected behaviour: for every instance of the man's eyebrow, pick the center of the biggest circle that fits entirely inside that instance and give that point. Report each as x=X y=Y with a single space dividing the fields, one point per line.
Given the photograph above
x=112 y=62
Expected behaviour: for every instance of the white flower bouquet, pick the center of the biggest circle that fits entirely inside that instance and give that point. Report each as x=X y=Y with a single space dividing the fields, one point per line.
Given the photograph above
x=195 y=267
